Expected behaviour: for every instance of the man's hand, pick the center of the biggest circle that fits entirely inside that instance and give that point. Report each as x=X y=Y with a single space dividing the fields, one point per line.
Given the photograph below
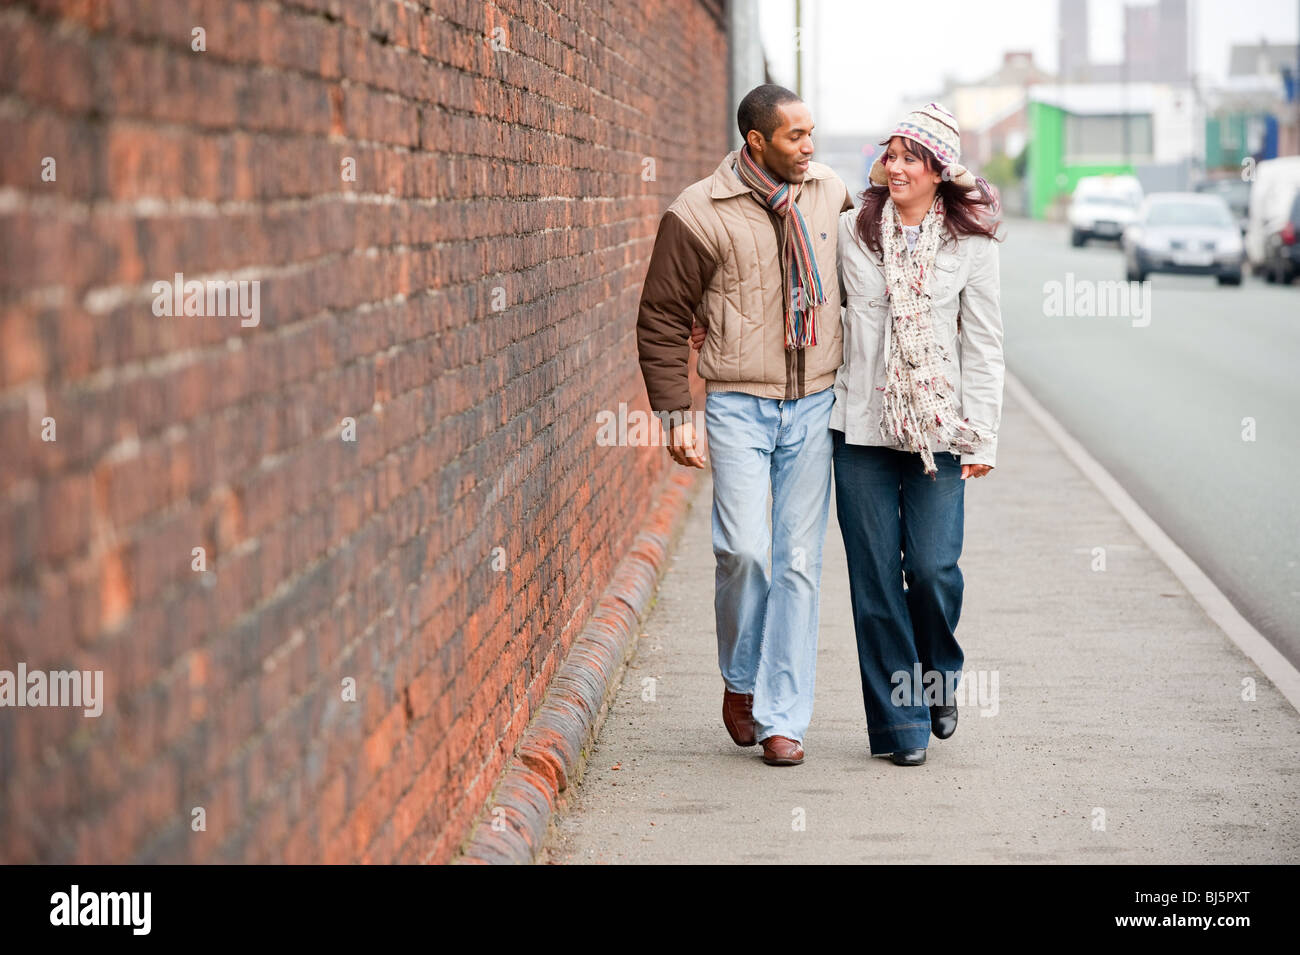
x=974 y=470
x=682 y=446
x=698 y=334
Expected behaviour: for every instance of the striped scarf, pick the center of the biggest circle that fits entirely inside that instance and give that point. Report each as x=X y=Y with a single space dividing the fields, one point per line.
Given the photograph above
x=800 y=280
x=919 y=399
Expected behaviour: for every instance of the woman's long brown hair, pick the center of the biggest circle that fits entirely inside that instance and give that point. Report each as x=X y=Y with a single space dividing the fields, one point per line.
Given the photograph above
x=965 y=212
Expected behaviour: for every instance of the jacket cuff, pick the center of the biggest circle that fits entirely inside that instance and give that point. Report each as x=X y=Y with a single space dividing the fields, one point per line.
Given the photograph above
x=987 y=453
x=670 y=418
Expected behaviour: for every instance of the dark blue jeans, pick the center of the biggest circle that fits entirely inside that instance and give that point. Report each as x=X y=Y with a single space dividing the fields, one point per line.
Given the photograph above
x=899 y=525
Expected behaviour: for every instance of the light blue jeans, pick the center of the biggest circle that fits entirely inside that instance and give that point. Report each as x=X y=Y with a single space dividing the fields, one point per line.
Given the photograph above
x=767 y=618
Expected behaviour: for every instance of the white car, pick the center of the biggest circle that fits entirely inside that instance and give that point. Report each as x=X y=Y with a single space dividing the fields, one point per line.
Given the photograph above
x=1102 y=207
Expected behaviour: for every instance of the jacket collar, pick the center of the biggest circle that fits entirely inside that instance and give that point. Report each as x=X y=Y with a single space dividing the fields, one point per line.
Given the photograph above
x=724 y=183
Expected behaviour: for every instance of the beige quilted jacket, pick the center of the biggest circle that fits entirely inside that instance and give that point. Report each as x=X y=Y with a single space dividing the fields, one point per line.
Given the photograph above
x=716 y=260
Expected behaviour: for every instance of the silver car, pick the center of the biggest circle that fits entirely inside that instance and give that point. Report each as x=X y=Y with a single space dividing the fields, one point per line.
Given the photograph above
x=1184 y=232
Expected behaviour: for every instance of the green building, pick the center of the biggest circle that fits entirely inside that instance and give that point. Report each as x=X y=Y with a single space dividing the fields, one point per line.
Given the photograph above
x=1077 y=130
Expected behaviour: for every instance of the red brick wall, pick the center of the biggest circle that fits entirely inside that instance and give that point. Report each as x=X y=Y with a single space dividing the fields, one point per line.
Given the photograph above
x=519 y=169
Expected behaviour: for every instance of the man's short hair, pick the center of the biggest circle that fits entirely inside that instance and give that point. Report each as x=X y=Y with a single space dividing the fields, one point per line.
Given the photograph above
x=758 y=109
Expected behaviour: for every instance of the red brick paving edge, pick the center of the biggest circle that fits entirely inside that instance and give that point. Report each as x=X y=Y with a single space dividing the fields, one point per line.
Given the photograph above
x=551 y=752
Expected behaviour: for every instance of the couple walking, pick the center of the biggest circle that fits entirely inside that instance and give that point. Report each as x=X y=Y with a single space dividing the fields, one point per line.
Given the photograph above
x=903 y=396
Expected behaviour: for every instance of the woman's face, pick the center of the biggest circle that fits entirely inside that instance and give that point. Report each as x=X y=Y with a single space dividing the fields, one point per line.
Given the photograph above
x=910 y=182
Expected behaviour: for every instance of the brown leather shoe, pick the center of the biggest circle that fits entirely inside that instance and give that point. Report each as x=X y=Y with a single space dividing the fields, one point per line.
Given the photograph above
x=782 y=751
x=738 y=716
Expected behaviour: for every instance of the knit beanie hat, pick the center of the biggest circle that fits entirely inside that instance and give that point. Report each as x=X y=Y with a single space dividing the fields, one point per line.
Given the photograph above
x=935 y=128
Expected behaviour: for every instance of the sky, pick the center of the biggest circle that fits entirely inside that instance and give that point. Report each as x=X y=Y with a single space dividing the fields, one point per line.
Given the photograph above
x=854 y=74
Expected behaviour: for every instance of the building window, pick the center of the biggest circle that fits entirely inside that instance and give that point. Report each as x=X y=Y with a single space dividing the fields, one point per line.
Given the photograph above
x=1100 y=139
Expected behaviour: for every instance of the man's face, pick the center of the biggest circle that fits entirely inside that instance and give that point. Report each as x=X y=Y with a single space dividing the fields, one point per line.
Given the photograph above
x=787 y=154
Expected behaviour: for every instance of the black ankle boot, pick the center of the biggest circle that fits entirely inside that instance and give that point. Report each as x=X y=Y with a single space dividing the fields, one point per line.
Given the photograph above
x=943 y=721
x=907 y=757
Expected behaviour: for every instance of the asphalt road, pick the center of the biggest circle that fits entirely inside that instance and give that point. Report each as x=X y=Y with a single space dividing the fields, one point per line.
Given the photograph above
x=1161 y=396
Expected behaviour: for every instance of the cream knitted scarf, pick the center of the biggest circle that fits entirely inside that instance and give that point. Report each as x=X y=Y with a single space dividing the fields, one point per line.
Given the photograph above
x=919 y=400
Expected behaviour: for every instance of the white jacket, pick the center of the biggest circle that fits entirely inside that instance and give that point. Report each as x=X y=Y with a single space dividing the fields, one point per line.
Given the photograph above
x=967 y=322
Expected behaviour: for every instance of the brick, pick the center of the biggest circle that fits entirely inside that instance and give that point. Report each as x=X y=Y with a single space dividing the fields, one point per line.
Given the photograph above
x=476 y=170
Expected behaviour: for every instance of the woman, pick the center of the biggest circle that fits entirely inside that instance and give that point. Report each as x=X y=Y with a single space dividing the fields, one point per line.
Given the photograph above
x=918 y=401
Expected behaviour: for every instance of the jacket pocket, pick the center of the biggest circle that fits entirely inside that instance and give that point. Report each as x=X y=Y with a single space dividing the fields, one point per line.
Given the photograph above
x=943 y=277
x=866 y=343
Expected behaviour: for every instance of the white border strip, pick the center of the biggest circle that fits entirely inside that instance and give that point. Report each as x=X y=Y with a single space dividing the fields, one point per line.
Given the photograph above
x=1276 y=667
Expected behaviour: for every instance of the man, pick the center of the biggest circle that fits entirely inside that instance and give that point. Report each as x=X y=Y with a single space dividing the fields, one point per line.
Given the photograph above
x=751 y=251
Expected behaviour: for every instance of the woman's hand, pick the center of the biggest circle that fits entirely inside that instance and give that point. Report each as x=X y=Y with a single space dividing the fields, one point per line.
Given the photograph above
x=698 y=332
x=974 y=470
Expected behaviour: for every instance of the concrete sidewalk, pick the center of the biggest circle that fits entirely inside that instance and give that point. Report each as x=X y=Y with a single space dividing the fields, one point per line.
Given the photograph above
x=1120 y=733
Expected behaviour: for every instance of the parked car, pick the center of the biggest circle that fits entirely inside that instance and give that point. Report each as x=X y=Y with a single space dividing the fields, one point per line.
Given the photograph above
x=1282 y=248
x=1235 y=192
x=1276 y=181
x=1102 y=207
x=1184 y=232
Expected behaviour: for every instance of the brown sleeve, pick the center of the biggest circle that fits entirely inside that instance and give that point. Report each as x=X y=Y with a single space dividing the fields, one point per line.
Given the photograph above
x=681 y=268
x=839 y=252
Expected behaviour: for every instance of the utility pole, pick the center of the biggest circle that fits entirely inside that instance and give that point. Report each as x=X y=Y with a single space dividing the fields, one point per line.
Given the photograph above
x=1125 y=117
x=815 y=84
x=798 y=48
x=1196 y=106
